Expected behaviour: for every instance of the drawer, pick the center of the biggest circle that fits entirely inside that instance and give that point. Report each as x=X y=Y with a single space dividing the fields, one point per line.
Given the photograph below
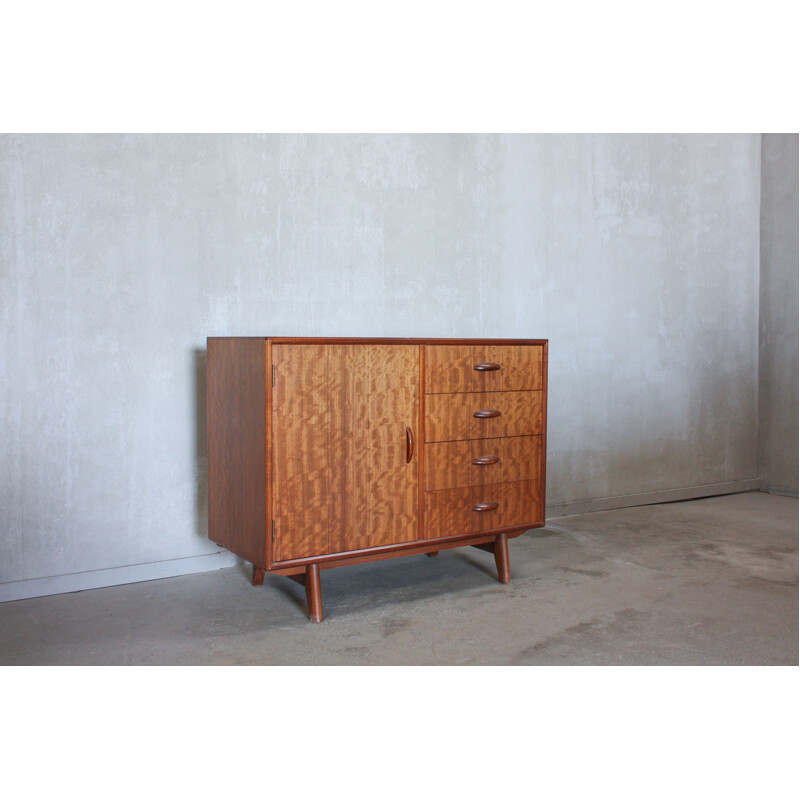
x=475 y=462
x=452 y=511
x=449 y=417
x=482 y=368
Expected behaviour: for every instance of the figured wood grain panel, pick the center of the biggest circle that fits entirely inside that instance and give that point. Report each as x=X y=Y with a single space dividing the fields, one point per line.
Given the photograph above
x=308 y=446
x=519 y=502
x=451 y=368
x=450 y=417
x=236 y=425
x=449 y=465
x=382 y=400
x=449 y=512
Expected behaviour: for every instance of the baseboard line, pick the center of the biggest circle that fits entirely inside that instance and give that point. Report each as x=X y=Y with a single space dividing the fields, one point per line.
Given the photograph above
x=115 y=576
x=784 y=491
x=651 y=498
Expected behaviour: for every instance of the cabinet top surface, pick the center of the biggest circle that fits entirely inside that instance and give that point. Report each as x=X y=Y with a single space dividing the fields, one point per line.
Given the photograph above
x=377 y=340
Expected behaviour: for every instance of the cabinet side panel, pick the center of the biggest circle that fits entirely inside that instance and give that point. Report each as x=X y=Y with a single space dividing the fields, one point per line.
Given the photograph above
x=236 y=388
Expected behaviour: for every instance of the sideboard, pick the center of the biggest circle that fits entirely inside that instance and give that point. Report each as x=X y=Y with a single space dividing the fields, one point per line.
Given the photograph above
x=328 y=452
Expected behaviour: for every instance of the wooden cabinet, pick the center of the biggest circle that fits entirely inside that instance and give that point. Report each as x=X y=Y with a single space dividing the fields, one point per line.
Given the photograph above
x=327 y=452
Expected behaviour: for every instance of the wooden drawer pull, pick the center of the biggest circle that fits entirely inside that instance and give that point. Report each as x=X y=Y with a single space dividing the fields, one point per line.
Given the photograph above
x=486 y=413
x=409 y=444
x=489 y=366
x=490 y=506
x=481 y=461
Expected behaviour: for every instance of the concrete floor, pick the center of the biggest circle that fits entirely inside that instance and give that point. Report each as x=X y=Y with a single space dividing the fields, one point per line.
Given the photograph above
x=711 y=581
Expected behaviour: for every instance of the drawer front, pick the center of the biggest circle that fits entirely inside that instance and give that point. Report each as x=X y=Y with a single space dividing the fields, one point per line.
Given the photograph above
x=505 y=505
x=475 y=462
x=450 y=417
x=482 y=368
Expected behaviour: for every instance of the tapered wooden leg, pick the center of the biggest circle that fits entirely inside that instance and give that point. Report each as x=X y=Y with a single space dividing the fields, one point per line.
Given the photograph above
x=501 y=558
x=258 y=576
x=313 y=593
x=434 y=553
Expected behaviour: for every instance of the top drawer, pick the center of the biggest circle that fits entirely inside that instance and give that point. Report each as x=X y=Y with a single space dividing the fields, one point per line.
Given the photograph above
x=482 y=368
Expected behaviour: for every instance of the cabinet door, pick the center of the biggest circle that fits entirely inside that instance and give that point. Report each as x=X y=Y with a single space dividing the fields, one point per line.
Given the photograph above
x=341 y=479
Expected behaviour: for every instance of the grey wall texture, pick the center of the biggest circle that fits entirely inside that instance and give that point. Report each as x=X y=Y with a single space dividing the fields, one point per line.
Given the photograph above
x=636 y=255
x=777 y=397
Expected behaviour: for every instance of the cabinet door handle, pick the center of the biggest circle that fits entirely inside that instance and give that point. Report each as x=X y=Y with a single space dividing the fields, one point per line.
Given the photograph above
x=486 y=413
x=481 y=461
x=409 y=444
x=487 y=366
x=491 y=505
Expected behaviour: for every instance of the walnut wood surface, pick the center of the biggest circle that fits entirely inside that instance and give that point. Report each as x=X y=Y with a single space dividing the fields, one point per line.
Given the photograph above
x=451 y=368
x=420 y=547
x=449 y=511
x=381 y=401
x=341 y=479
x=269 y=482
x=450 y=417
x=449 y=465
x=486 y=413
x=501 y=559
x=313 y=593
x=308 y=449
x=236 y=423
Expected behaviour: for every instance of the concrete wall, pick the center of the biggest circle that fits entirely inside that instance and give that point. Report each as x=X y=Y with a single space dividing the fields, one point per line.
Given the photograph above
x=777 y=398
x=637 y=256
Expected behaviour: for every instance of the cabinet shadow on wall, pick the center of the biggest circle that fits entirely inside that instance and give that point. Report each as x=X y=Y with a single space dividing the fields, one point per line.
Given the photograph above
x=200 y=444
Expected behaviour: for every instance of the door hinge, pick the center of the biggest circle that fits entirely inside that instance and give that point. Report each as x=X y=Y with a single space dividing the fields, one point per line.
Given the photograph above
x=273 y=530
x=273 y=374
